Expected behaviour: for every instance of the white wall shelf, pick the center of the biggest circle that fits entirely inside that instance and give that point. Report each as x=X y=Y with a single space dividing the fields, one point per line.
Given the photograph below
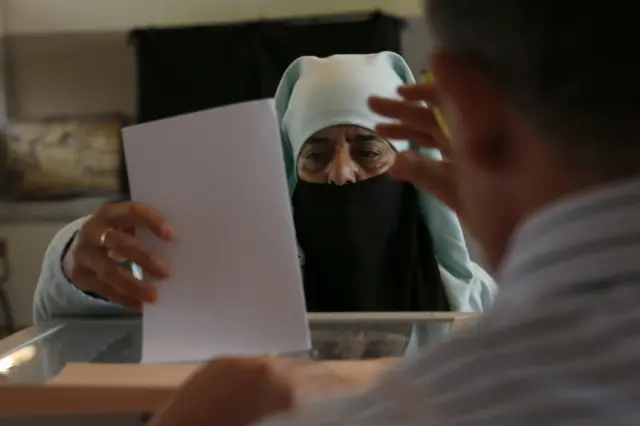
x=28 y=17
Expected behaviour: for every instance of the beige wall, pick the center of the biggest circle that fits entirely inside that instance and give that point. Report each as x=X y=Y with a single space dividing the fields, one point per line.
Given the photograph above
x=70 y=74
x=26 y=245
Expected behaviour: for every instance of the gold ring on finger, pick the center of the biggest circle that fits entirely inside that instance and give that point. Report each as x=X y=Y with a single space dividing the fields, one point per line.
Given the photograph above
x=104 y=235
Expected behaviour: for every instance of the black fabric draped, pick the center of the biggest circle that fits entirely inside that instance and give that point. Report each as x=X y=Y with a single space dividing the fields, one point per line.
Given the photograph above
x=367 y=248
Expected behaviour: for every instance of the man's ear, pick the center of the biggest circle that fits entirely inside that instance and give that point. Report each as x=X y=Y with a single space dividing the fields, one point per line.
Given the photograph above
x=476 y=111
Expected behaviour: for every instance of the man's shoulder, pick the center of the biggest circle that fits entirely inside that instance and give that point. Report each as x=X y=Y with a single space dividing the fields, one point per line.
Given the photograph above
x=520 y=363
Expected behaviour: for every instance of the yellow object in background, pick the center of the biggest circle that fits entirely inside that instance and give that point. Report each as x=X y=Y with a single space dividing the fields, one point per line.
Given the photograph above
x=428 y=78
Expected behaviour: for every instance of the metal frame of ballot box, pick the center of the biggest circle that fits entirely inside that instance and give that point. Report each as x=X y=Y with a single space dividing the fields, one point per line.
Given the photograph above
x=37 y=332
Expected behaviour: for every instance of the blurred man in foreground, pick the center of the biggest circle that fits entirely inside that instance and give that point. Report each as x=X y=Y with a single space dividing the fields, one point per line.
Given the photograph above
x=542 y=98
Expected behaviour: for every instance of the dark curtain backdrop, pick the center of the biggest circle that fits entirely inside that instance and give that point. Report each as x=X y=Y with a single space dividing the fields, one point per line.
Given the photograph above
x=182 y=70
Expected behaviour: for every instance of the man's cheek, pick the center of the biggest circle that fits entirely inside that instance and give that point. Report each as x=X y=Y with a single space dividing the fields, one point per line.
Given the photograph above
x=477 y=199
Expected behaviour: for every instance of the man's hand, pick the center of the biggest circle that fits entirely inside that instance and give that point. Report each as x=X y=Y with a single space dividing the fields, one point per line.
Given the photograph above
x=240 y=391
x=418 y=123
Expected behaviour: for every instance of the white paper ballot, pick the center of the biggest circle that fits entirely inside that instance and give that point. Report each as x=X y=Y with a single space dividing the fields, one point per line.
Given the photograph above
x=235 y=288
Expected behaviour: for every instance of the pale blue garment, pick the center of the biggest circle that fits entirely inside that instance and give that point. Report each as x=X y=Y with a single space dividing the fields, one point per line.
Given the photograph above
x=468 y=287
x=56 y=296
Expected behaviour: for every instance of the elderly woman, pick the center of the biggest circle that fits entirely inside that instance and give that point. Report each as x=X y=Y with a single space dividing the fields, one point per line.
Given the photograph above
x=367 y=242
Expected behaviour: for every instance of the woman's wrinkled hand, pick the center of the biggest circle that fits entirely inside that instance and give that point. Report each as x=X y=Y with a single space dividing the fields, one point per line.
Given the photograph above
x=240 y=391
x=94 y=260
x=418 y=123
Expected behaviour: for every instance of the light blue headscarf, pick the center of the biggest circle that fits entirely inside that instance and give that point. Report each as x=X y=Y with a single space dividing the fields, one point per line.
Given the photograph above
x=316 y=93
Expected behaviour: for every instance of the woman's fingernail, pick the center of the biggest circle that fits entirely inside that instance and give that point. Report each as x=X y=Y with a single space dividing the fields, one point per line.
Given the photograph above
x=162 y=266
x=151 y=293
x=167 y=232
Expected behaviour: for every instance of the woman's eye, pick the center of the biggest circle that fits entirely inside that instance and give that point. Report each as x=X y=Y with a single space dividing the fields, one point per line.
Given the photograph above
x=314 y=155
x=369 y=154
x=318 y=156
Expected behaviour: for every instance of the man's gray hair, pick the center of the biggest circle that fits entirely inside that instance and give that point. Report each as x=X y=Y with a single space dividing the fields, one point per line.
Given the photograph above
x=572 y=65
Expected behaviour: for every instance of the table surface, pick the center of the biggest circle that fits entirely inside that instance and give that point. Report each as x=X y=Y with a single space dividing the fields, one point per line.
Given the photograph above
x=38 y=353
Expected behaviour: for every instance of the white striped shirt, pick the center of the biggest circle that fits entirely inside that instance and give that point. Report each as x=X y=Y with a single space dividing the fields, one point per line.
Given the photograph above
x=561 y=345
